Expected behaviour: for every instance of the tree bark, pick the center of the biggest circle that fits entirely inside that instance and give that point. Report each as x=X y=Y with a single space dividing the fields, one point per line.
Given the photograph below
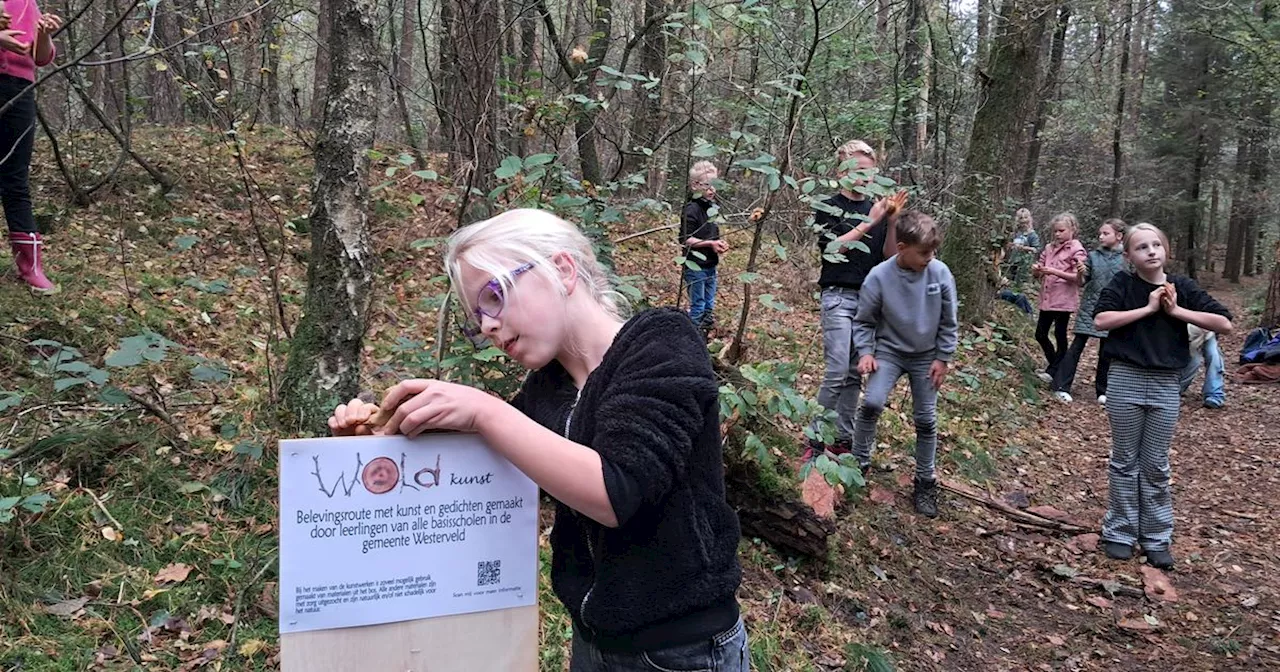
x=470 y=88
x=324 y=357
x=1271 y=309
x=1117 y=133
x=324 y=56
x=272 y=48
x=913 y=129
x=1007 y=101
x=1237 y=223
x=1048 y=96
x=649 y=119
x=983 y=37
x=1210 y=237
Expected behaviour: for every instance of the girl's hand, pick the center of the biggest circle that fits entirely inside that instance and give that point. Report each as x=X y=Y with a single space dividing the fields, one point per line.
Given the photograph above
x=1154 y=299
x=349 y=419
x=10 y=40
x=1080 y=267
x=49 y=24
x=1169 y=299
x=4 y=20
x=867 y=365
x=420 y=405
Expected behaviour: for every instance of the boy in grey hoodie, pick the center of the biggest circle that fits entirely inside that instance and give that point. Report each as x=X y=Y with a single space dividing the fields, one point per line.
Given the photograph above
x=906 y=325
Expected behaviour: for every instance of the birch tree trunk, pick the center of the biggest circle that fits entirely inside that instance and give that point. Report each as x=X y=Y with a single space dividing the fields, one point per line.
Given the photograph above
x=324 y=358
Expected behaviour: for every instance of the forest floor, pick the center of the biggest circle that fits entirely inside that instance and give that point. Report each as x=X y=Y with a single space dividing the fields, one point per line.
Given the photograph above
x=148 y=539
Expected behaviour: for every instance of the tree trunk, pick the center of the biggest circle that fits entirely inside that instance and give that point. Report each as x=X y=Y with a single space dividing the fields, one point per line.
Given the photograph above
x=1210 y=237
x=913 y=129
x=324 y=56
x=273 y=67
x=324 y=357
x=1196 y=209
x=1271 y=309
x=984 y=32
x=584 y=124
x=165 y=106
x=1007 y=103
x=1117 y=133
x=1048 y=96
x=470 y=87
x=649 y=119
x=1237 y=223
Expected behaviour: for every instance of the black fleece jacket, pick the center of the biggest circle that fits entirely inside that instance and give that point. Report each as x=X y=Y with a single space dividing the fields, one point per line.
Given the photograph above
x=668 y=574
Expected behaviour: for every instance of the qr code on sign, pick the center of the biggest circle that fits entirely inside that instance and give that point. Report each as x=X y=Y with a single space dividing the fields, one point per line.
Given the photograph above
x=488 y=572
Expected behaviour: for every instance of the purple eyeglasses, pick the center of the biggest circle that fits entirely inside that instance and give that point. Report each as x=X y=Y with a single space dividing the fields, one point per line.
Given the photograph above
x=490 y=301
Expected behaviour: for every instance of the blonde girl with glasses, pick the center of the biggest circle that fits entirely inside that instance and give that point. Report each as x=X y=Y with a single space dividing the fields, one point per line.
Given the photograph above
x=618 y=420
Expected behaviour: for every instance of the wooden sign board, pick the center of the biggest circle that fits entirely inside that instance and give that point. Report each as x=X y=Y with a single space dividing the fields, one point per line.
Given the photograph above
x=400 y=554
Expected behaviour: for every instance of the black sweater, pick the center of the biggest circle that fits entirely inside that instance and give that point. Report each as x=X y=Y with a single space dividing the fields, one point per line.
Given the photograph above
x=853 y=268
x=695 y=222
x=1157 y=341
x=668 y=574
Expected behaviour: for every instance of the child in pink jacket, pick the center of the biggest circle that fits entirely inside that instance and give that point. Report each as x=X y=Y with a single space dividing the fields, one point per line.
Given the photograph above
x=26 y=42
x=1059 y=289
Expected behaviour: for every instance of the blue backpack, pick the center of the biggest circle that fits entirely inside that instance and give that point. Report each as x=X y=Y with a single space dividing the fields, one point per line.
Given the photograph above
x=1261 y=347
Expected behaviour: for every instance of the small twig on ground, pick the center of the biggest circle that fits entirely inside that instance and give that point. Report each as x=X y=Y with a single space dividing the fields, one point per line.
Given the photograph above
x=235 y=623
x=1237 y=514
x=163 y=415
x=1017 y=515
x=1111 y=587
x=103 y=508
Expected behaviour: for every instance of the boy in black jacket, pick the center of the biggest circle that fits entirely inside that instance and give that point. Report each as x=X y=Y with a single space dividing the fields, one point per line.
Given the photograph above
x=700 y=237
x=846 y=223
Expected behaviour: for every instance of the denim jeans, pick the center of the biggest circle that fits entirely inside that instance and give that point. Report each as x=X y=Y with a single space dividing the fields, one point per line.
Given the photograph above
x=726 y=652
x=1016 y=299
x=891 y=366
x=17 y=137
x=1214 y=389
x=702 y=294
x=841 y=382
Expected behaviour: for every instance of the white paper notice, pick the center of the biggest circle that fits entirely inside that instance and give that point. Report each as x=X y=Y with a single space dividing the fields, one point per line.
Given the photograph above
x=385 y=529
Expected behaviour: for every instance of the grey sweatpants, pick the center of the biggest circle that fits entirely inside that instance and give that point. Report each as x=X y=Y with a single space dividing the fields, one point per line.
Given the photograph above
x=1142 y=405
x=924 y=403
x=841 y=382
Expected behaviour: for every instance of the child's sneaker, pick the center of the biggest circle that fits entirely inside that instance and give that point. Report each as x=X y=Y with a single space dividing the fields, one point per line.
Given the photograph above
x=1116 y=550
x=812 y=450
x=1063 y=397
x=1160 y=559
x=1044 y=376
x=1102 y=400
x=925 y=497
x=841 y=447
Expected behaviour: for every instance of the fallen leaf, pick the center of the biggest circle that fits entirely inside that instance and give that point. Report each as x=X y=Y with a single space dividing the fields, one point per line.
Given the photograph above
x=1191 y=616
x=905 y=480
x=1099 y=601
x=1136 y=624
x=175 y=573
x=65 y=608
x=109 y=533
x=1018 y=499
x=1157 y=585
x=1249 y=602
x=881 y=495
x=819 y=495
x=1055 y=640
x=253 y=647
x=1083 y=543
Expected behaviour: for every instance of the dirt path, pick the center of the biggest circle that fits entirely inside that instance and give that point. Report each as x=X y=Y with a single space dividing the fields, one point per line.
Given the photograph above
x=1226 y=614
x=974 y=590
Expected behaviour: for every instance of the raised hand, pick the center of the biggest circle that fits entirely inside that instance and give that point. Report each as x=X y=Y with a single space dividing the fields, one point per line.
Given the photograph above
x=1169 y=300
x=49 y=24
